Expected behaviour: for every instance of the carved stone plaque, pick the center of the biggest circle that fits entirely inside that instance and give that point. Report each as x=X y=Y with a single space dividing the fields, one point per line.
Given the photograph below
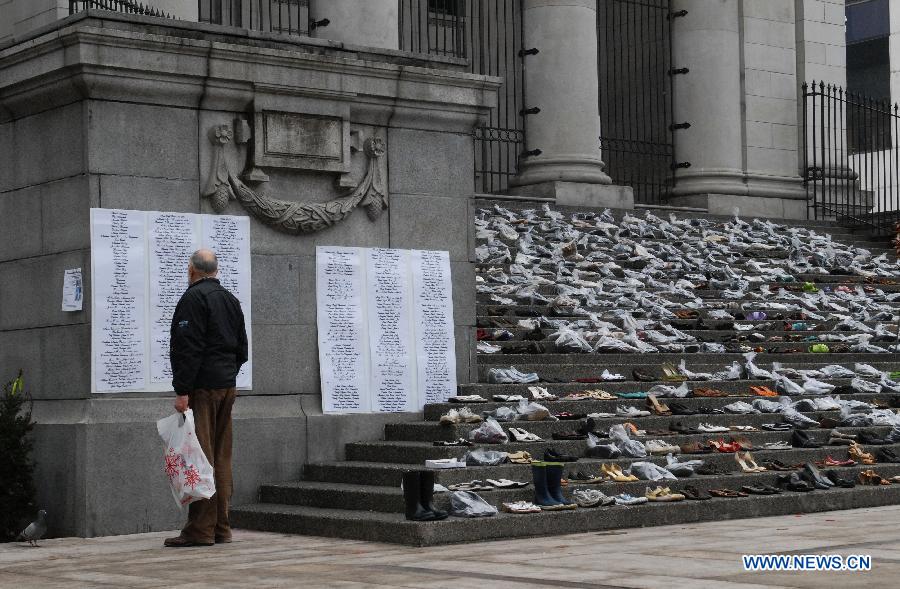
x=302 y=141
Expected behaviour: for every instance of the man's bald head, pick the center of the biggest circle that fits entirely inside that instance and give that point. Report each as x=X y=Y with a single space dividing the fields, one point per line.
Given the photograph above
x=204 y=263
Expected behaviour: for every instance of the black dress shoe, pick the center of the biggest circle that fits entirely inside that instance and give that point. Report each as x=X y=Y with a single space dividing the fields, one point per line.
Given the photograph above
x=811 y=480
x=838 y=481
x=793 y=482
x=887 y=455
x=865 y=437
x=680 y=409
x=800 y=439
x=551 y=455
x=534 y=335
x=643 y=376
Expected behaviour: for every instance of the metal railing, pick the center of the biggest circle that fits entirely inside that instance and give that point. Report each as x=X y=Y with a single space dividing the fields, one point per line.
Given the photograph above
x=487 y=33
x=289 y=17
x=635 y=75
x=126 y=6
x=851 y=161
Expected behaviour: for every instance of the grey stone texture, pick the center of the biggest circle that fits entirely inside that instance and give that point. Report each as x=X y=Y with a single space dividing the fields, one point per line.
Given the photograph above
x=122 y=121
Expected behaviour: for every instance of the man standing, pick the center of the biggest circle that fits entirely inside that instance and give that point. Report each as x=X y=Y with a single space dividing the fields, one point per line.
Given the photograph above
x=208 y=347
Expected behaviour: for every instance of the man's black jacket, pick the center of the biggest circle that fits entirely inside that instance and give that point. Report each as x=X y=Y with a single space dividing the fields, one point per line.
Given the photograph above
x=209 y=340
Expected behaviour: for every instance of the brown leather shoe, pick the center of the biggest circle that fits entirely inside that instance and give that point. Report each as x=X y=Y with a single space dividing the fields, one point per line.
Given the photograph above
x=223 y=539
x=182 y=542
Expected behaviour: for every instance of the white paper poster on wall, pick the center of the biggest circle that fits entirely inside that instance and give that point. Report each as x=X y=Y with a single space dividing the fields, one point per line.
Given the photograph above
x=229 y=238
x=119 y=279
x=390 y=331
x=385 y=323
x=433 y=317
x=340 y=317
x=138 y=274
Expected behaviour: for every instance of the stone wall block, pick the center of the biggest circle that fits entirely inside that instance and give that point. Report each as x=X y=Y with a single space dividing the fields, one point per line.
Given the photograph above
x=141 y=140
x=31 y=291
x=430 y=223
x=276 y=289
x=149 y=194
x=424 y=162
x=44 y=147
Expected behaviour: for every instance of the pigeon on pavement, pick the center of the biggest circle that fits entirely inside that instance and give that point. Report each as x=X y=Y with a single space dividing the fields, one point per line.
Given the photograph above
x=35 y=530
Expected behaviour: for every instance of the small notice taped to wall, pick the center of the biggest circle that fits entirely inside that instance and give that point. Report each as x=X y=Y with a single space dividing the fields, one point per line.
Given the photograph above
x=73 y=290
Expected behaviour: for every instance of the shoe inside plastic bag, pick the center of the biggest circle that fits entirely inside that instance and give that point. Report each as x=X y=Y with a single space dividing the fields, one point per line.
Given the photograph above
x=482 y=457
x=648 y=471
x=489 y=432
x=470 y=504
x=627 y=447
x=531 y=411
x=503 y=414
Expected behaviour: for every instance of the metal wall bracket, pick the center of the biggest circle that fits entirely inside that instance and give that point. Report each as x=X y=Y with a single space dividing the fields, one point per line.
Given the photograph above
x=678 y=165
x=531 y=152
x=677 y=14
x=676 y=71
x=530 y=111
x=532 y=51
x=315 y=24
x=675 y=126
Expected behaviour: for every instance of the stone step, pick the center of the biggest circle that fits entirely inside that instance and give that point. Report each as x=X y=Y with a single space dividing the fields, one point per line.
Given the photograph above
x=418 y=452
x=586 y=362
x=739 y=390
x=429 y=431
x=509 y=348
x=389 y=499
x=388 y=473
x=394 y=528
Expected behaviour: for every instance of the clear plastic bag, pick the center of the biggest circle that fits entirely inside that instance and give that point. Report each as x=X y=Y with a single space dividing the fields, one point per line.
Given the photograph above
x=489 y=432
x=532 y=411
x=470 y=504
x=627 y=446
x=501 y=414
x=648 y=471
x=597 y=450
x=481 y=457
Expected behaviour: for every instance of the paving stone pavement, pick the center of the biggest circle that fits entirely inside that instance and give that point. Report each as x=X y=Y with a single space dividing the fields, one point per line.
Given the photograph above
x=697 y=556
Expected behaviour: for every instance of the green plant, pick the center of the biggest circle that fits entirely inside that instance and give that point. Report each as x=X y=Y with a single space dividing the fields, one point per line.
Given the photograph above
x=17 y=493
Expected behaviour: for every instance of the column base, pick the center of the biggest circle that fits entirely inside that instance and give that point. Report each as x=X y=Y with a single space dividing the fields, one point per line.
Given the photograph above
x=746 y=206
x=579 y=194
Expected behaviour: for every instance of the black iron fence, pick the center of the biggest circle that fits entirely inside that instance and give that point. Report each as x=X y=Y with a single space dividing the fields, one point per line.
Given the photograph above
x=488 y=33
x=634 y=44
x=851 y=164
x=126 y=6
x=289 y=17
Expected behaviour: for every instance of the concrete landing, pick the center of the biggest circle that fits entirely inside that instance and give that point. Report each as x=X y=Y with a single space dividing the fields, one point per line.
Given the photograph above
x=699 y=556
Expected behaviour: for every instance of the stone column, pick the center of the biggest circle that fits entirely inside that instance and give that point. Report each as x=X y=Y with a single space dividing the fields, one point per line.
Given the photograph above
x=562 y=81
x=707 y=42
x=372 y=23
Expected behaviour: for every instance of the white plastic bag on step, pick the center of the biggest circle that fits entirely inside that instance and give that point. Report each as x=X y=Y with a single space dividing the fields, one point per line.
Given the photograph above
x=189 y=472
x=489 y=432
x=531 y=411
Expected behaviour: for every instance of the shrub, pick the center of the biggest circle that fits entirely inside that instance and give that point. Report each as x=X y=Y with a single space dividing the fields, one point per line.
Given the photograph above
x=17 y=493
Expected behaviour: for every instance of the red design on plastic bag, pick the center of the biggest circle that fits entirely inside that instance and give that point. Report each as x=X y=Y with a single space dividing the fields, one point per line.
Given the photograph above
x=172 y=464
x=191 y=476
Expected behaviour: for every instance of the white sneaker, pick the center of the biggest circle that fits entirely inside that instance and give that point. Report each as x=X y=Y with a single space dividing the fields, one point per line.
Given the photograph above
x=631 y=412
x=607 y=375
x=541 y=394
x=708 y=428
x=661 y=447
x=444 y=463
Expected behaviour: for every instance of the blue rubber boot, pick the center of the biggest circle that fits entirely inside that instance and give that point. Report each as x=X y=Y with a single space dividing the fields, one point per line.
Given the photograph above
x=541 y=496
x=554 y=483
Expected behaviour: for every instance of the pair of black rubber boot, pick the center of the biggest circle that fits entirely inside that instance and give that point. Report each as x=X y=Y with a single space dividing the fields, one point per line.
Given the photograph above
x=418 y=494
x=548 y=486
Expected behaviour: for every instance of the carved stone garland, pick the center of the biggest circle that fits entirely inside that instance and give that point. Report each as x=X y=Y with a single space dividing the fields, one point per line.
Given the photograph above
x=290 y=216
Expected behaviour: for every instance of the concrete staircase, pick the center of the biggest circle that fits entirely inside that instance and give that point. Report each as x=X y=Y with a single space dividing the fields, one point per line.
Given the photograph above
x=360 y=497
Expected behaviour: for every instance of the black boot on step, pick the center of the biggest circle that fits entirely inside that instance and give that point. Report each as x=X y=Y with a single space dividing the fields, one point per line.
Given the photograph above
x=412 y=496
x=426 y=495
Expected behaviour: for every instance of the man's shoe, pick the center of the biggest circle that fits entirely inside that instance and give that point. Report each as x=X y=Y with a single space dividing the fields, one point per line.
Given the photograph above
x=223 y=539
x=182 y=542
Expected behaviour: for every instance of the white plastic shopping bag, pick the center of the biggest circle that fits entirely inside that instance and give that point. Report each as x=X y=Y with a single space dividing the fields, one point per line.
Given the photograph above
x=189 y=472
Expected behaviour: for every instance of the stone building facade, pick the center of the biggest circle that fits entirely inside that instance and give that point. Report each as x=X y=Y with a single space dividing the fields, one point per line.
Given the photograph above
x=109 y=109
